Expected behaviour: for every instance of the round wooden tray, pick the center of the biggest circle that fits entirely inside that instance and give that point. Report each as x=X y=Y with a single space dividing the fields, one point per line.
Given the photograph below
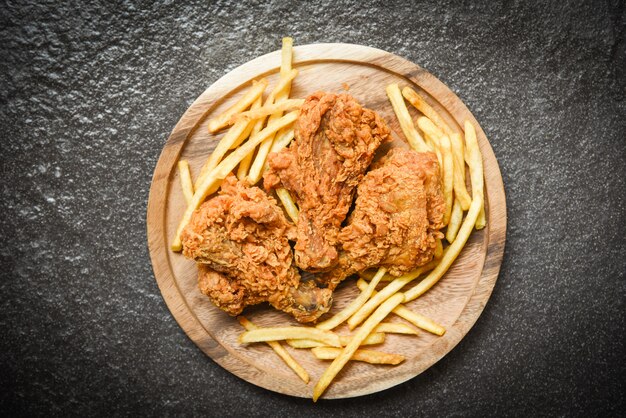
x=455 y=302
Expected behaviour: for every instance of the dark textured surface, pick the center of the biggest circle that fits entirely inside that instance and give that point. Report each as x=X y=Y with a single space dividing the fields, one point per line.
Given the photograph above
x=89 y=93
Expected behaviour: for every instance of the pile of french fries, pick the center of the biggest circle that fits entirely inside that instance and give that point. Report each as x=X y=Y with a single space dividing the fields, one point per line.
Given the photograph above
x=258 y=127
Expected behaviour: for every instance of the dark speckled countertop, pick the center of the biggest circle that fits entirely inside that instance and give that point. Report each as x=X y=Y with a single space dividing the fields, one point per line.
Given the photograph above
x=89 y=93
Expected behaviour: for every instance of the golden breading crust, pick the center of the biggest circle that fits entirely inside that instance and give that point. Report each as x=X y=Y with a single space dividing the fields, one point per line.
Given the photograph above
x=335 y=141
x=240 y=240
x=396 y=220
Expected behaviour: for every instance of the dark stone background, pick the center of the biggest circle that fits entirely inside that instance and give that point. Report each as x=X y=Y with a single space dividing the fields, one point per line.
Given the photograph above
x=89 y=93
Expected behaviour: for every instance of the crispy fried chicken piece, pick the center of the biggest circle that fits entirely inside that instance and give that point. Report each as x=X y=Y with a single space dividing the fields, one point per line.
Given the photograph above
x=398 y=213
x=240 y=241
x=335 y=141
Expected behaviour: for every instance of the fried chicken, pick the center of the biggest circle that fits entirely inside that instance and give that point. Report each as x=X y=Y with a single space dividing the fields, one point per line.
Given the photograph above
x=396 y=220
x=239 y=239
x=335 y=141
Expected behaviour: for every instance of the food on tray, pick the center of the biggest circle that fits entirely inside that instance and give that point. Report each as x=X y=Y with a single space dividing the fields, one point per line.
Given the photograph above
x=335 y=141
x=212 y=180
x=385 y=222
x=239 y=239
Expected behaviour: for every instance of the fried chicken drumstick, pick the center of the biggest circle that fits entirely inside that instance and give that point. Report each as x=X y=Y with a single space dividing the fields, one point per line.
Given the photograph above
x=239 y=239
x=335 y=141
x=398 y=213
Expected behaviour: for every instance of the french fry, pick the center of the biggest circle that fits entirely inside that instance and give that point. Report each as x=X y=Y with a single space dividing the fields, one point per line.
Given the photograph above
x=282 y=140
x=437 y=151
x=265 y=134
x=438 y=249
x=448 y=176
x=416 y=319
x=252 y=127
x=420 y=104
x=269 y=109
x=355 y=305
x=304 y=343
x=283 y=85
x=431 y=144
x=436 y=148
x=244 y=165
x=474 y=159
x=369 y=275
x=212 y=181
x=439 y=156
x=435 y=135
x=286 y=55
x=242 y=104
x=436 y=140
x=290 y=333
x=367 y=356
x=246 y=134
x=420 y=321
x=456 y=218
x=348 y=351
x=460 y=190
x=389 y=290
x=430 y=129
x=258 y=165
x=185 y=180
x=475 y=163
x=481 y=221
x=288 y=203
x=286 y=72
x=402 y=113
x=395 y=328
x=243 y=126
x=372 y=339
x=286 y=59
x=235 y=134
x=440 y=160
x=280 y=350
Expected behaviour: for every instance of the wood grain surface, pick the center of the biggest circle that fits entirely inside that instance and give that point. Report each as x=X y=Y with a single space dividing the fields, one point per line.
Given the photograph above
x=455 y=302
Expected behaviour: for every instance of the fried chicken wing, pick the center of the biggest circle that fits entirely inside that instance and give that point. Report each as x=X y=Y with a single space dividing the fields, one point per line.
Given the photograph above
x=396 y=220
x=239 y=239
x=335 y=141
